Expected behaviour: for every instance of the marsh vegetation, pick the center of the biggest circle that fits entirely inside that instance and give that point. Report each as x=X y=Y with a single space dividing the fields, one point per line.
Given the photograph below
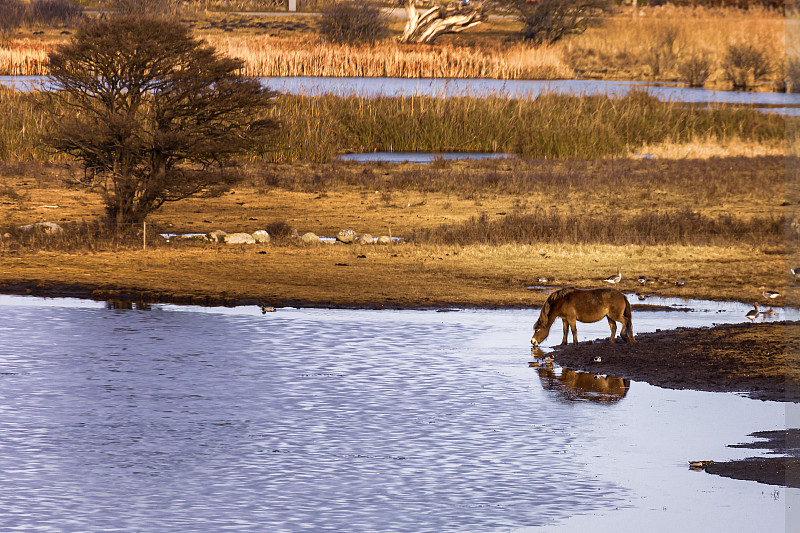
x=665 y=43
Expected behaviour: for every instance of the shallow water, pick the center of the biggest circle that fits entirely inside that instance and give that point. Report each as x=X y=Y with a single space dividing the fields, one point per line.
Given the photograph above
x=418 y=157
x=209 y=419
x=371 y=87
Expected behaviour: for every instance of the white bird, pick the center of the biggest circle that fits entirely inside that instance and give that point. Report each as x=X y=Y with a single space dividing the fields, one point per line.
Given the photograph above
x=616 y=278
x=642 y=280
x=753 y=313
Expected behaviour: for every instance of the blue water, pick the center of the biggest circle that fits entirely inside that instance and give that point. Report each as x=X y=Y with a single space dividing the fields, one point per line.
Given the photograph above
x=213 y=419
x=776 y=102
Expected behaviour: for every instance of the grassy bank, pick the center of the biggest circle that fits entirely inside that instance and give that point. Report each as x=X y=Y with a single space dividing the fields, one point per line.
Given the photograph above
x=664 y=43
x=505 y=198
x=547 y=126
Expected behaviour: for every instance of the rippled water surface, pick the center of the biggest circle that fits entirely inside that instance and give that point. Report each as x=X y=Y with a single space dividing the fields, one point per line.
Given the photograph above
x=193 y=419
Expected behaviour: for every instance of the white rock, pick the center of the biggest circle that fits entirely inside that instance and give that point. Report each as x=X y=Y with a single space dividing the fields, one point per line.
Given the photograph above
x=217 y=236
x=45 y=227
x=239 y=238
x=346 y=236
x=310 y=238
x=261 y=236
x=384 y=239
x=366 y=239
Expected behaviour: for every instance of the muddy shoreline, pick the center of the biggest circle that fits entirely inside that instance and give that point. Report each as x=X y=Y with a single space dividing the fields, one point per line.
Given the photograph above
x=757 y=360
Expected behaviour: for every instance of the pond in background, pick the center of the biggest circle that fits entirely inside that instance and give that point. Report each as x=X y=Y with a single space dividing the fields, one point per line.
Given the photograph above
x=418 y=157
x=771 y=102
x=167 y=418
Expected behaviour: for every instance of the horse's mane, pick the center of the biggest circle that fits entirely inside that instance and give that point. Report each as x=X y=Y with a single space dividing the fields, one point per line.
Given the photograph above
x=554 y=298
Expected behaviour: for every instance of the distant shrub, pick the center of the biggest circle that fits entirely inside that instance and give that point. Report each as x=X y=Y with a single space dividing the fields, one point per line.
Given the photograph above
x=54 y=12
x=547 y=21
x=793 y=75
x=353 y=21
x=662 y=56
x=15 y=13
x=153 y=8
x=12 y=14
x=744 y=65
x=696 y=68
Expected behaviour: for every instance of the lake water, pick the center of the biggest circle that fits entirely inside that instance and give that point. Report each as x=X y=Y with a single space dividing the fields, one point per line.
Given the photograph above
x=171 y=418
x=449 y=87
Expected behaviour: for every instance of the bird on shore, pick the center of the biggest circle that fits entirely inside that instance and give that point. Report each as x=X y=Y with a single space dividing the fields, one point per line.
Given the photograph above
x=753 y=313
x=796 y=273
x=680 y=283
x=616 y=278
x=642 y=280
x=266 y=309
x=769 y=295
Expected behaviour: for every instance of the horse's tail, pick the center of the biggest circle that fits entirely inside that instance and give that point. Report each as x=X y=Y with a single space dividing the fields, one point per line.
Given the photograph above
x=628 y=322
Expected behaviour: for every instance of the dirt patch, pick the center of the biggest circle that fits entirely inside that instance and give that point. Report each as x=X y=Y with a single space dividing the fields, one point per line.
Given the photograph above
x=749 y=358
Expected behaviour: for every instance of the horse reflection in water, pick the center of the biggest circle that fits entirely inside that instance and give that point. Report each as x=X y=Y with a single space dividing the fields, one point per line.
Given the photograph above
x=575 y=386
x=584 y=305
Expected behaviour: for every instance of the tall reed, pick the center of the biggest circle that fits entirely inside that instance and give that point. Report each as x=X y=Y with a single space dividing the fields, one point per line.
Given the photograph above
x=272 y=56
x=549 y=125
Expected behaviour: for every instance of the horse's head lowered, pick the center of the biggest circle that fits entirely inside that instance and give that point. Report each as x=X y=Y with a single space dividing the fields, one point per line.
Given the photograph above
x=542 y=326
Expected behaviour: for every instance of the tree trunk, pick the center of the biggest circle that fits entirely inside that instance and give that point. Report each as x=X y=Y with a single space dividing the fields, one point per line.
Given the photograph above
x=455 y=17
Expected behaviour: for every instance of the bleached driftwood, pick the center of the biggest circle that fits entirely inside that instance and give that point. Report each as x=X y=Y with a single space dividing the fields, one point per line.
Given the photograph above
x=426 y=26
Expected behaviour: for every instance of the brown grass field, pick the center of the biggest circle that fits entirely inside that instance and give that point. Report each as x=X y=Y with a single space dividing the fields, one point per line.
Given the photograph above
x=415 y=202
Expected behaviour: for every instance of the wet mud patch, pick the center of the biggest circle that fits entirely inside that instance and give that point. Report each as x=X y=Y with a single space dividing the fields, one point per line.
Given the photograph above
x=784 y=470
x=749 y=358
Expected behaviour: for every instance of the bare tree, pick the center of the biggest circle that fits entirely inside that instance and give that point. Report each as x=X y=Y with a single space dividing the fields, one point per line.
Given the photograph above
x=154 y=114
x=452 y=17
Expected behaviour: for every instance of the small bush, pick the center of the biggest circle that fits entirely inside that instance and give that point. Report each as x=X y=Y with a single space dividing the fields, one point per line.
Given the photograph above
x=12 y=15
x=353 y=21
x=696 y=68
x=54 y=12
x=793 y=75
x=744 y=65
x=662 y=56
x=159 y=8
x=547 y=21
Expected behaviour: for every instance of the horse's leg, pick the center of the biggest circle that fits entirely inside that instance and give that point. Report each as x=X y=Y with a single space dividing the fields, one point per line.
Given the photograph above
x=613 y=325
x=573 y=324
x=565 y=324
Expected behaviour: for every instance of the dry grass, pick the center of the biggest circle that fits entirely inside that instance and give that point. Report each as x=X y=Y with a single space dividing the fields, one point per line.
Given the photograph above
x=303 y=56
x=25 y=57
x=654 y=46
x=405 y=199
x=705 y=148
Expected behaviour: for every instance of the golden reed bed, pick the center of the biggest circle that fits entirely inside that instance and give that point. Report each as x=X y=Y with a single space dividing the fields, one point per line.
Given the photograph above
x=301 y=56
x=265 y=56
x=622 y=48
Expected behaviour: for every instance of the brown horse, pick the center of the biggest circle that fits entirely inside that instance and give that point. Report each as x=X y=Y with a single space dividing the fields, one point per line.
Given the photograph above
x=584 y=305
